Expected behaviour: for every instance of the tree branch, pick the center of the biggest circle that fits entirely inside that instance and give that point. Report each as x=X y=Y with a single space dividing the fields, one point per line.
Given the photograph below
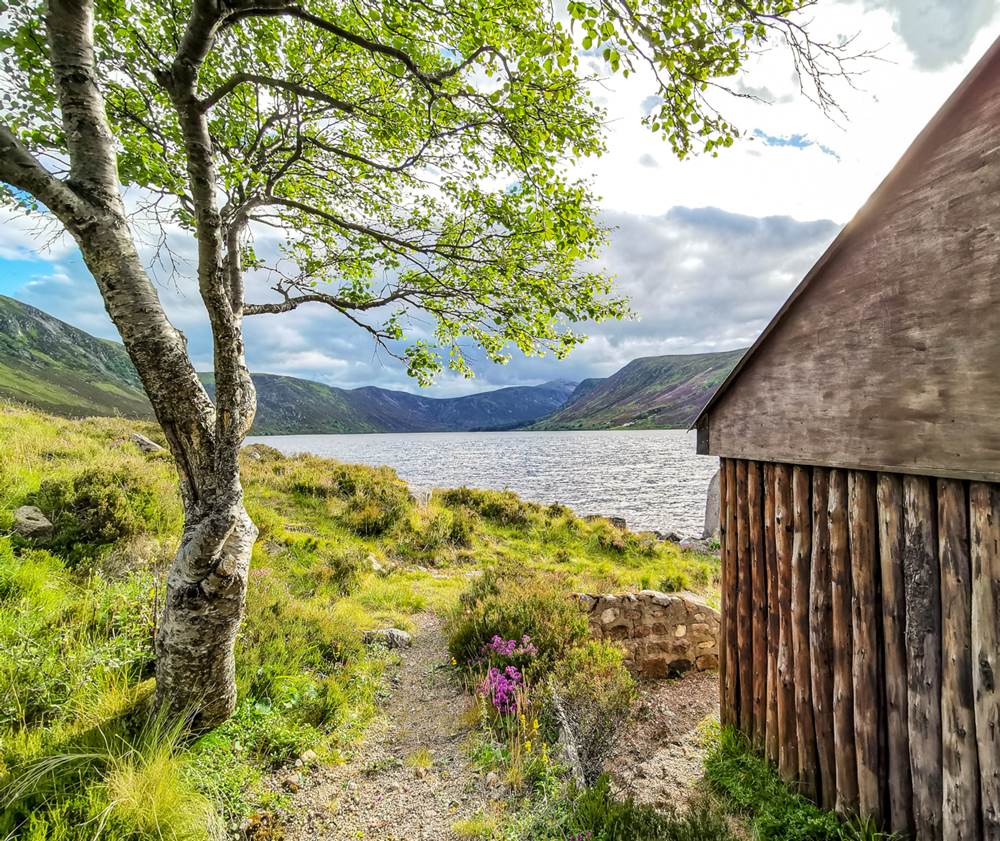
x=279 y=8
x=282 y=84
x=20 y=169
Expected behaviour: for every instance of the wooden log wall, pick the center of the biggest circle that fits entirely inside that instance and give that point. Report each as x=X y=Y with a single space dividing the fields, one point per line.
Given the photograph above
x=861 y=640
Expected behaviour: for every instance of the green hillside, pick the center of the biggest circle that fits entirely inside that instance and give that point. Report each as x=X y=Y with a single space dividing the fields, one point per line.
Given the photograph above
x=52 y=365
x=61 y=369
x=655 y=392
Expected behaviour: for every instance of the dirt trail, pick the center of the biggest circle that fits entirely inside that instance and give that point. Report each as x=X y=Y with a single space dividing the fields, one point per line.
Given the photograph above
x=378 y=794
x=660 y=753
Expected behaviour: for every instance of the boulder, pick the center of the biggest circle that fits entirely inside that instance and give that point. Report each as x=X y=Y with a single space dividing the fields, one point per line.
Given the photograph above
x=29 y=521
x=712 y=506
x=389 y=637
x=145 y=444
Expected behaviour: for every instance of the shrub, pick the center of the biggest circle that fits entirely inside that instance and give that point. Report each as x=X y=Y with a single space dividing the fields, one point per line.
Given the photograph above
x=510 y=603
x=592 y=692
x=503 y=507
x=95 y=509
x=675 y=582
x=376 y=498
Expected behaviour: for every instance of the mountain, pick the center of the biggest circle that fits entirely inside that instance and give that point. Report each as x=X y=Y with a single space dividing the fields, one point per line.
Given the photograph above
x=655 y=392
x=57 y=367
x=287 y=405
x=48 y=363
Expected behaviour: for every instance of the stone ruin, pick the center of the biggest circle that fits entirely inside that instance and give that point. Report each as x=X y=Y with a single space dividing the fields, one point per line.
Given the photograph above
x=663 y=634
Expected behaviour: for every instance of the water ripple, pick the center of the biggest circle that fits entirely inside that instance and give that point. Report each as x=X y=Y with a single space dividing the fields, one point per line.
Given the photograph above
x=652 y=478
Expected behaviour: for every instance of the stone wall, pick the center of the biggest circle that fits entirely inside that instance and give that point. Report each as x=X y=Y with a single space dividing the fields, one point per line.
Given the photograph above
x=663 y=634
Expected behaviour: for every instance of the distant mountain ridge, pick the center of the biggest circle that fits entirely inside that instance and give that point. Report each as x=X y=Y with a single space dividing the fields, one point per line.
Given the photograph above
x=62 y=369
x=288 y=405
x=653 y=392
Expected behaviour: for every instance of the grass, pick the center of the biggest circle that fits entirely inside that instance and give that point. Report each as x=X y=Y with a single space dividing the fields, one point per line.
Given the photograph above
x=341 y=549
x=747 y=785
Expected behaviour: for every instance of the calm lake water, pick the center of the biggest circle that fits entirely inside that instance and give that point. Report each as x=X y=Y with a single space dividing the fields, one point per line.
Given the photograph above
x=652 y=478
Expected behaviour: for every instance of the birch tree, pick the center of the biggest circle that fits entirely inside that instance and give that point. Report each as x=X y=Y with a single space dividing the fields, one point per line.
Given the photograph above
x=412 y=156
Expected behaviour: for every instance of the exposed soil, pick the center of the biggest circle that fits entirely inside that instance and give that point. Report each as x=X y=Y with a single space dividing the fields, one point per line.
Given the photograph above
x=659 y=756
x=379 y=794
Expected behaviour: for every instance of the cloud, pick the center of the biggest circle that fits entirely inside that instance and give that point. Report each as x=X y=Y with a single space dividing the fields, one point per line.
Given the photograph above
x=645 y=159
x=700 y=279
x=937 y=32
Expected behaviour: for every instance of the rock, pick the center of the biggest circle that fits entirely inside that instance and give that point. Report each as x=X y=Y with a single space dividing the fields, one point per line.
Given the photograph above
x=712 y=507
x=308 y=756
x=29 y=521
x=144 y=443
x=702 y=546
x=669 y=536
x=389 y=637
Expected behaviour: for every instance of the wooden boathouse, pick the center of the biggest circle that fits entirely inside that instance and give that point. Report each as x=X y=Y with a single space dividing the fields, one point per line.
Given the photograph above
x=859 y=440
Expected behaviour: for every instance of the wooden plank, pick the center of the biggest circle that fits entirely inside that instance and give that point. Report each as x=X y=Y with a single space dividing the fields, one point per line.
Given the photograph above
x=731 y=705
x=866 y=614
x=985 y=551
x=758 y=575
x=744 y=624
x=845 y=757
x=960 y=772
x=890 y=541
x=724 y=711
x=788 y=757
x=821 y=638
x=881 y=359
x=923 y=654
x=773 y=619
x=805 y=728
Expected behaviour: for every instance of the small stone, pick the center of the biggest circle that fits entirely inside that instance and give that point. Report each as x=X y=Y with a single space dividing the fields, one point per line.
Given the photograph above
x=680 y=631
x=29 y=521
x=389 y=637
x=608 y=615
x=145 y=444
x=290 y=782
x=308 y=756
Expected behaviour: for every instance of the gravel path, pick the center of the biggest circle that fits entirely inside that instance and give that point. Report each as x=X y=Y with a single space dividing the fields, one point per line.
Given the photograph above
x=383 y=792
x=659 y=755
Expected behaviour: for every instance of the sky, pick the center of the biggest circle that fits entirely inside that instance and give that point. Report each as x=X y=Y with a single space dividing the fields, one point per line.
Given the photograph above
x=706 y=249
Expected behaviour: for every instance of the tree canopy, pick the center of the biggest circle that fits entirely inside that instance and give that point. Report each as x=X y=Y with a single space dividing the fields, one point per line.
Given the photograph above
x=405 y=155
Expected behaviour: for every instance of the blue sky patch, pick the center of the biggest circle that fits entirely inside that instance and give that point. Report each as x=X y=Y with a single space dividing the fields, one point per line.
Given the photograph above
x=796 y=141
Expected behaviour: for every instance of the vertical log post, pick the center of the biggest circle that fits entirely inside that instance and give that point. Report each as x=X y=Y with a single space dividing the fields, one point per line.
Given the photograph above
x=744 y=622
x=890 y=543
x=788 y=757
x=724 y=711
x=960 y=778
x=923 y=654
x=821 y=647
x=985 y=550
x=773 y=619
x=731 y=704
x=845 y=758
x=866 y=615
x=758 y=574
x=805 y=729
